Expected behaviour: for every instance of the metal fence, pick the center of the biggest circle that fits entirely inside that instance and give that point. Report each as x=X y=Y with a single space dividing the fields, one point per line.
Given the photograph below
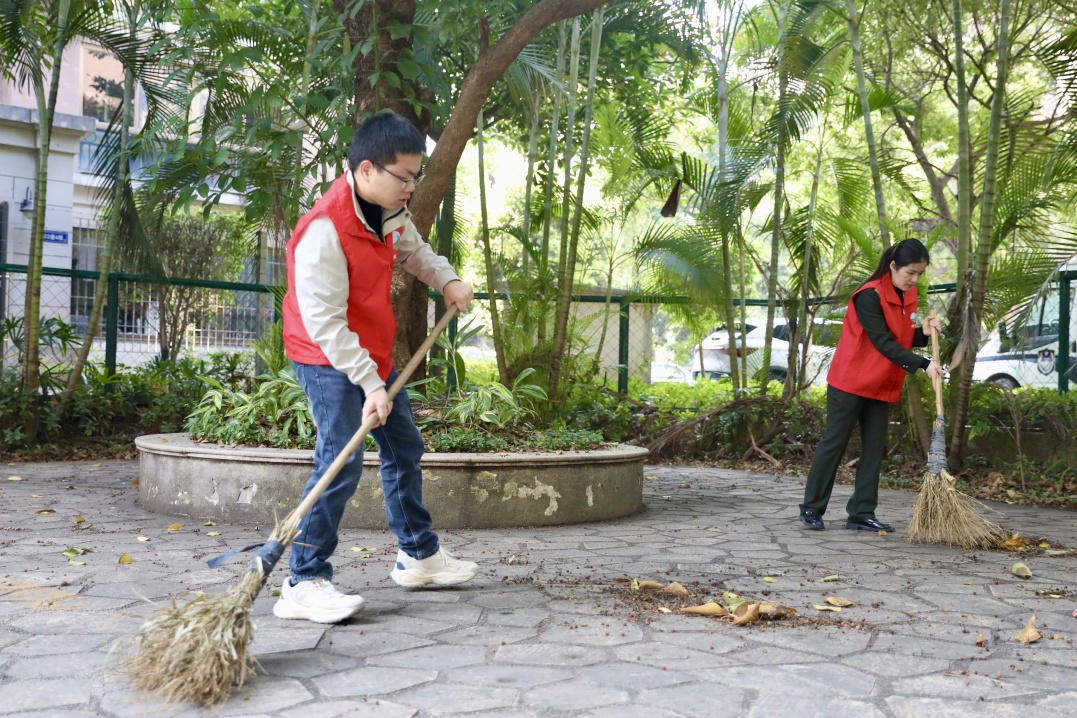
x=146 y=317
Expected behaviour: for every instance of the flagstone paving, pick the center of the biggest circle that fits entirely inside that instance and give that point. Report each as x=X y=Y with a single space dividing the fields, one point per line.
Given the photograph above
x=546 y=629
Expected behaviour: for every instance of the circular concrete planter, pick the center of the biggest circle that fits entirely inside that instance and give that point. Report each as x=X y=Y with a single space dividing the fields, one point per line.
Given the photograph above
x=238 y=485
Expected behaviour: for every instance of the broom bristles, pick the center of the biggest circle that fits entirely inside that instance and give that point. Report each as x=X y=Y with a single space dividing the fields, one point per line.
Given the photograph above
x=198 y=651
x=944 y=515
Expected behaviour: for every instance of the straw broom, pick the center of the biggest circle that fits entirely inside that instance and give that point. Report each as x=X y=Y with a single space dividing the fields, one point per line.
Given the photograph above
x=198 y=651
x=943 y=514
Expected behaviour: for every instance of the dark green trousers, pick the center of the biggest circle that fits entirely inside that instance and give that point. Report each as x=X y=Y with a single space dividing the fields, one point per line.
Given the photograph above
x=844 y=412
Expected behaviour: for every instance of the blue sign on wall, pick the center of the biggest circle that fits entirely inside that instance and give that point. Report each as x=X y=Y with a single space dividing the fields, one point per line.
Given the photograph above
x=54 y=237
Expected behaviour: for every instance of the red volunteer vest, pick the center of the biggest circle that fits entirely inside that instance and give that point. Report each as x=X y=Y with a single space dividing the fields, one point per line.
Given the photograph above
x=370 y=280
x=858 y=367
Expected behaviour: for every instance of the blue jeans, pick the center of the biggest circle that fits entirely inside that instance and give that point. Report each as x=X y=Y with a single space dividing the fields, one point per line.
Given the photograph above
x=337 y=405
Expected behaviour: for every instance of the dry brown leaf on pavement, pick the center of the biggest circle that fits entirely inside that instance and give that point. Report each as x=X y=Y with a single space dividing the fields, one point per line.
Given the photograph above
x=710 y=608
x=644 y=585
x=776 y=611
x=750 y=615
x=839 y=602
x=676 y=589
x=1021 y=570
x=1029 y=634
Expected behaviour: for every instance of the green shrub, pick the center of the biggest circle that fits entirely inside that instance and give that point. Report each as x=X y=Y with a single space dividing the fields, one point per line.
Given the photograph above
x=276 y=414
x=135 y=400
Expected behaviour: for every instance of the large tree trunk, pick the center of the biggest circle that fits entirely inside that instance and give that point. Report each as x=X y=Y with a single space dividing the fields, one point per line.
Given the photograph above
x=46 y=108
x=984 y=240
x=121 y=179
x=964 y=163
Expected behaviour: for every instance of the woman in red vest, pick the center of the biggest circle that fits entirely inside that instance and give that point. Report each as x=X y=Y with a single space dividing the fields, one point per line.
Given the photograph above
x=866 y=376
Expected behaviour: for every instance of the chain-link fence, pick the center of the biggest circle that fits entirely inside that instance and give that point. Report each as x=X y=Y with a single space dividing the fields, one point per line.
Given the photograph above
x=629 y=335
x=144 y=318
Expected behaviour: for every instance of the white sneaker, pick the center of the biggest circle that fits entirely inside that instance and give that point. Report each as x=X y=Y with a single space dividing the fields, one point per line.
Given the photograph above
x=316 y=600
x=441 y=569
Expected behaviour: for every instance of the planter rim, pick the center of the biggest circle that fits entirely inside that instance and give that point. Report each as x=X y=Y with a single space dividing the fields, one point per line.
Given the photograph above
x=180 y=444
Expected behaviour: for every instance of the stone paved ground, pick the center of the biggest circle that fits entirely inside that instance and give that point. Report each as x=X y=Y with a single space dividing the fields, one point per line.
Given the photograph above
x=541 y=631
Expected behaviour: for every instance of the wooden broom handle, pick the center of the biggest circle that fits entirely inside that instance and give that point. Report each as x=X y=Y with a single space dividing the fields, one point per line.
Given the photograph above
x=936 y=383
x=372 y=420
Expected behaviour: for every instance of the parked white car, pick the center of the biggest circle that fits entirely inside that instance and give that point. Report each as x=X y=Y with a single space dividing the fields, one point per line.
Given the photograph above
x=671 y=372
x=715 y=350
x=1027 y=355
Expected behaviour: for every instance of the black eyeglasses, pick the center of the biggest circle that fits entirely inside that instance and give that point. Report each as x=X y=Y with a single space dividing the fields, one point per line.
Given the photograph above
x=413 y=181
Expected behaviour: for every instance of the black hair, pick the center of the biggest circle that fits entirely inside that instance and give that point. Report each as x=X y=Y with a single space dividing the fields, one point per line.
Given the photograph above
x=382 y=137
x=902 y=254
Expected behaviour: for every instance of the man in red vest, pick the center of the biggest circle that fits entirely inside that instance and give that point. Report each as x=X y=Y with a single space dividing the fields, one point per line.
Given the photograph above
x=338 y=331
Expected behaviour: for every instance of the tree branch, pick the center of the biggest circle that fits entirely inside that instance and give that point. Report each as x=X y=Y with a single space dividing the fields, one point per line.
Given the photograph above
x=487 y=70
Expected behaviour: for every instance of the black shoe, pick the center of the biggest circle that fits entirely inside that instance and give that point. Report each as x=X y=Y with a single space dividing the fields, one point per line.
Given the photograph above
x=869 y=524
x=812 y=520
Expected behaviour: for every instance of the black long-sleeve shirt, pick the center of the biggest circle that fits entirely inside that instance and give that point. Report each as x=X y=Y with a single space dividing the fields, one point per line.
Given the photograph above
x=869 y=311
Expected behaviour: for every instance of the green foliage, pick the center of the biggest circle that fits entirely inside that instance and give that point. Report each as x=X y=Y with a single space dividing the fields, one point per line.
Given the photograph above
x=681 y=397
x=1024 y=409
x=116 y=407
x=276 y=414
x=56 y=339
x=494 y=405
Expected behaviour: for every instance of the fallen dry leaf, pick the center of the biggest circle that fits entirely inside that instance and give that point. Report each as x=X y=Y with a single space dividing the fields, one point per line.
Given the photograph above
x=981 y=641
x=514 y=558
x=1044 y=544
x=1015 y=543
x=14 y=478
x=776 y=611
x=76 y=551
x=881 y=532
x=770 y=579
x=663 y=609
x=1021 y=570
x=79 y=519
x=143 y=538
x=46 y=512
x=213 y=533
x=36 y=496
x=710 y=608
x=126 y=559
x=676 y=589
x=209 y=523
x=77 y=563
x=1029 y=634
x=830 y=579
x=839 y=602
x=750 y=615
x=175 y=527
x=832 y=609
x=645 y=584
